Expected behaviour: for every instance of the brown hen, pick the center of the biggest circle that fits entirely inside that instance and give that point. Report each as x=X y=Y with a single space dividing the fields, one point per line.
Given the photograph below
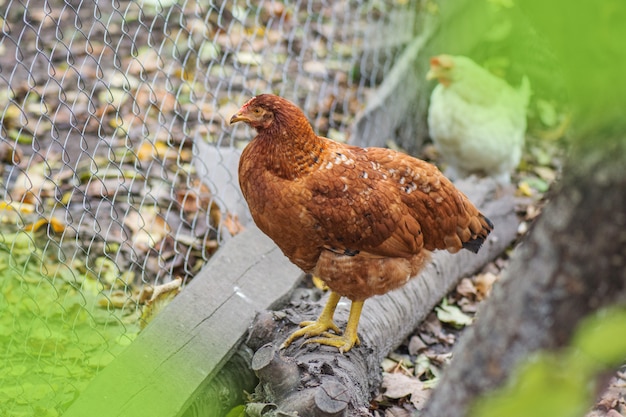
x=364 y=220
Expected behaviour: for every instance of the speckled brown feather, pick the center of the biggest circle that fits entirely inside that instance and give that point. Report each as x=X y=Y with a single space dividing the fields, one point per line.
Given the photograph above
x=362 y=219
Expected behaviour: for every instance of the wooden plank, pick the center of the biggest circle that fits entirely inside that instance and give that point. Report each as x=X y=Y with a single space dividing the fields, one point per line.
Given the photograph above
x=186 y=345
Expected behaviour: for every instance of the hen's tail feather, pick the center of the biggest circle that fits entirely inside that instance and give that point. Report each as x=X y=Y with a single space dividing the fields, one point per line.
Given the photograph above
x=475 y=243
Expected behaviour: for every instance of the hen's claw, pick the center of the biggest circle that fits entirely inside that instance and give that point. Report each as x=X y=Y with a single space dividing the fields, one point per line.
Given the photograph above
x=325 y=322
x=312 y=328
x=316 y=328
x=342 y=342
x=319 y=326
x=350 y=338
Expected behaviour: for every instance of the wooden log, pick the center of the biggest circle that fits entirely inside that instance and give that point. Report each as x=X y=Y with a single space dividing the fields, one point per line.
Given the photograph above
x=184 y=347
x=330 y=383
x=226 y=390
x=570 y=264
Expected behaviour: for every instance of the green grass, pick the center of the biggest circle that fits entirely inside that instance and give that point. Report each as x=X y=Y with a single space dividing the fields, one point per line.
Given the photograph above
x=55 y=331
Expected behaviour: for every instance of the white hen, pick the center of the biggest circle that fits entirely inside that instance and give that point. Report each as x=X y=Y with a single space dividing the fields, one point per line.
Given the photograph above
x=476 y=120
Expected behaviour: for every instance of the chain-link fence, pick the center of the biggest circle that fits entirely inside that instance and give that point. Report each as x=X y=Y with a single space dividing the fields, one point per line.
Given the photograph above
x=119 y=168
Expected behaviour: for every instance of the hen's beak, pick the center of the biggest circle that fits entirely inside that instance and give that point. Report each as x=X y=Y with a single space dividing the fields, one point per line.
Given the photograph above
x=431 y=74
x=238 y=117
x=439 y=74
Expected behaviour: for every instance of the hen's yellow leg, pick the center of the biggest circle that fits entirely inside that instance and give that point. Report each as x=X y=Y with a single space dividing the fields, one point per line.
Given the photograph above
x=350 y=338
x=317 y=281
x=319 y=326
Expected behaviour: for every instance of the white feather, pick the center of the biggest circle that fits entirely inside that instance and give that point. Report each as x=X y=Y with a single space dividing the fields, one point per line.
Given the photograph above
x=478 y=122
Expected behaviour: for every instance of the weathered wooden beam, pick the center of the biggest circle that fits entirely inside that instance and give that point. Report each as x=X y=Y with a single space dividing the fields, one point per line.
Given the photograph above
x=179 y=353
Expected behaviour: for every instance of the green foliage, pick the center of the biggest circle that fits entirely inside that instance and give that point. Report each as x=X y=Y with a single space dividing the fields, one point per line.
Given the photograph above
x=238 y=411
x=452 y=314
x=54 y=336
x=600 y=338
x=588 y=37
x=560 y=384
x=585 y=40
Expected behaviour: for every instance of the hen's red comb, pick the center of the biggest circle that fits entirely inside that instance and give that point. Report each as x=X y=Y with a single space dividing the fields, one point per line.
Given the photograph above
x=443 y=61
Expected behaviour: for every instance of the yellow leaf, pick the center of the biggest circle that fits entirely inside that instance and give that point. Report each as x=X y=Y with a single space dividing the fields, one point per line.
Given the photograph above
x=33 y=227
x=523 y=189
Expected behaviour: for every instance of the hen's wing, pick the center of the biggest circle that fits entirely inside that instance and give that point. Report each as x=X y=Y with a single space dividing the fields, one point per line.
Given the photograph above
x=378 y=202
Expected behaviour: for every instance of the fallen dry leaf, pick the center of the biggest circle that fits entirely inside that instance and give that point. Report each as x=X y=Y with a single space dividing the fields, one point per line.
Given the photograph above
x=10 y=154
x=161 y=295
x=484 y=283
x=416 y=345
x=56 y=225
x=198 y=197
x=150 y=151
x=524 y=190
x=389 y=365
x=422 y=365
x=148 y=227
x=432 y=331
x=30 y=186
x=399 y=385
x=466 y=288
x=232 y=224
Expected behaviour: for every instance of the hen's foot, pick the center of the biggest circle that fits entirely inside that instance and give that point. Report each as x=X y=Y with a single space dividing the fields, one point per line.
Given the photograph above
x=350 y=338
x=321 y=325
x=312 y=328
x=342 y=342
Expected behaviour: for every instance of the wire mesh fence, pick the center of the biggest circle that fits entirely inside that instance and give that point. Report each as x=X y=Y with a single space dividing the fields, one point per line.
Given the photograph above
x=119 y=178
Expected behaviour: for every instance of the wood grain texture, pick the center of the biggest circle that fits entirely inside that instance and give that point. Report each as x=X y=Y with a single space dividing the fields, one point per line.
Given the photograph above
x=179 y=353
